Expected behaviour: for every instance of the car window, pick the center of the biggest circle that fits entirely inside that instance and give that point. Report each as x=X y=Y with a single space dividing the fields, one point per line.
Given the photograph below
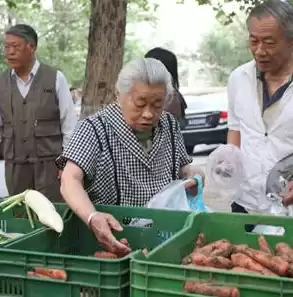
x=214 y=101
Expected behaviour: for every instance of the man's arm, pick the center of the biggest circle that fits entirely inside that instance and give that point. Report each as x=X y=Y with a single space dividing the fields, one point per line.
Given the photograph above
x=234 y=136
x=68 y=117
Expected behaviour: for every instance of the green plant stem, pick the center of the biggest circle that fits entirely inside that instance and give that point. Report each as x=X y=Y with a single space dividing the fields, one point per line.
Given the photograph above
x=29 y=216
x=12 y=204
x=11 y=199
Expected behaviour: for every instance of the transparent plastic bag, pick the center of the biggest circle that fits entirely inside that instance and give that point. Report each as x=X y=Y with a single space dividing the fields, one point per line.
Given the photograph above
x=280 y=175
x=278 y=209
x=224 y=170
x=277 y=182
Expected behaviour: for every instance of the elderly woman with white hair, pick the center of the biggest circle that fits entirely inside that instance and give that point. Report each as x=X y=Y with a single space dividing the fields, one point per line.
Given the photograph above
x=125 y=153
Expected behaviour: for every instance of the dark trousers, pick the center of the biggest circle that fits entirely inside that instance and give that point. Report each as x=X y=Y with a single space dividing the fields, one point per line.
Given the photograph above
x=41 y=176
x=235 y=207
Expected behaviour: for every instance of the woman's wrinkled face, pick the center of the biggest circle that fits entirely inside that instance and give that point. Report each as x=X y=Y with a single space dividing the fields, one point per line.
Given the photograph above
x=143 y=106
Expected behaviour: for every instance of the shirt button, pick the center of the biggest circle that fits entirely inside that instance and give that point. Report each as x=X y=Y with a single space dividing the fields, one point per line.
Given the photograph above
x=266 y=134
x=24 y=102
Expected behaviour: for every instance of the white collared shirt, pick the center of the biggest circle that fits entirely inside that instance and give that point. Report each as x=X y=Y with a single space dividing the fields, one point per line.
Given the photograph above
x=266 y=138
x=68 y=118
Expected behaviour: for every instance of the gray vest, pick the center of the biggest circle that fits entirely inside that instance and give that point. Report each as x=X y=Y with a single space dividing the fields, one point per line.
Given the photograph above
x=31 y=125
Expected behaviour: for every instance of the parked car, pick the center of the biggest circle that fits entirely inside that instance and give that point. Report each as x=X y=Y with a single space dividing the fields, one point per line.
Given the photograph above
x=205 y=120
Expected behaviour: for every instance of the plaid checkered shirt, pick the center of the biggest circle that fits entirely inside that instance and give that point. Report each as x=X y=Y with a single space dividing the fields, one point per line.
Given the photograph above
x=116 y=168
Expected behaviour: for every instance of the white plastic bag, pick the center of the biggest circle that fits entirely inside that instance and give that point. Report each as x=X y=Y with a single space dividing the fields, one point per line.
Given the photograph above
x=171 y=197
x=174 y=197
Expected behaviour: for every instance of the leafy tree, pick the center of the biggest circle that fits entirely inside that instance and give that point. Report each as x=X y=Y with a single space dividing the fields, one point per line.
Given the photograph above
x=63 y=32
x=106 y=50
x=85 y=39
x=222 y=50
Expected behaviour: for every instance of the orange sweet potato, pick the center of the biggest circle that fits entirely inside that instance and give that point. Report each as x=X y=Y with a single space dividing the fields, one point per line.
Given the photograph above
x=263 y=245
x=105 y=255
x=284 y=251
x=243 y=270
x=242 y=260
x=273 y=263
x=216 y=262
x=225 y=250
x=208 y=289
x=209 y=248
x=34 y=274
x=200 y=241
x=240 y=248
x=51 y=273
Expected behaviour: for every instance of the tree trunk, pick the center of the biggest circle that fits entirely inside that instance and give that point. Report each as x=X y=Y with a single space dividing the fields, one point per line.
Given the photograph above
x=105 y=53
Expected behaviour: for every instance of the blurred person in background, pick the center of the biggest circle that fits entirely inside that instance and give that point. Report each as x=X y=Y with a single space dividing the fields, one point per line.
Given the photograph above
x=260 y=95
x=37 y=116
x=177 y=104
x=72 y=92
x=77 y=100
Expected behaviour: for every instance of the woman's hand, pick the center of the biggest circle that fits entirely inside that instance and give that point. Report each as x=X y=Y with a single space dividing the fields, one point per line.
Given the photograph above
x=77 y=199
x=102 y=225
x=189 y=171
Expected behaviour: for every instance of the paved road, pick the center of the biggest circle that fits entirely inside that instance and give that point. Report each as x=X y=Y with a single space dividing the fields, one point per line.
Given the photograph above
x=213 y=201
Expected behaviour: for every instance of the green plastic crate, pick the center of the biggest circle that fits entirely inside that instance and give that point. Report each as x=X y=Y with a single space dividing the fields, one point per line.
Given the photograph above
x=16 y=221
x=87 y=276
x=161 y=275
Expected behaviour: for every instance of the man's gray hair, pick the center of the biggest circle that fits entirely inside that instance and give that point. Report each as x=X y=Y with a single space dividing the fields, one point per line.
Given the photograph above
x=146 y=70
x=282 y=11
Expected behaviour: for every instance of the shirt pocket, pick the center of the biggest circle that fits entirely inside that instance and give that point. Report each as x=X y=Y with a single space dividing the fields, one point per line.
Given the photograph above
x=48 y=137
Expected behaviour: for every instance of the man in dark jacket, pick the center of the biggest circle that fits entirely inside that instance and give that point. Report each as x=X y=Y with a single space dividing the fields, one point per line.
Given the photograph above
x=37 y=113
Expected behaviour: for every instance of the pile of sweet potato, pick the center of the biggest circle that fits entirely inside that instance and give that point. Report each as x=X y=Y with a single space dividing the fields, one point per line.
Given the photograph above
x=109 y=255
x=43 y=272
x=222 y=254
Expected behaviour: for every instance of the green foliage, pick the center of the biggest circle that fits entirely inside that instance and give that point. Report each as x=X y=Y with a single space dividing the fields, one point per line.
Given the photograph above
x=224 y=49
x=63 y=31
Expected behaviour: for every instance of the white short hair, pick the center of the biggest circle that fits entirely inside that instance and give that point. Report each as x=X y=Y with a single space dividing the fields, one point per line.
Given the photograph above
x=146 y=70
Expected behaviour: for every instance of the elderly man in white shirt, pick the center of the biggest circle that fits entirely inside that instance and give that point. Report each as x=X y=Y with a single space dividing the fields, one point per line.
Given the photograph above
x=260 y=97
x=37 y=113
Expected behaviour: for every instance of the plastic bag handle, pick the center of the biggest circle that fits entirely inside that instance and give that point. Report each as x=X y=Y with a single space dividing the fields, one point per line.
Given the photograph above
x=198 y=178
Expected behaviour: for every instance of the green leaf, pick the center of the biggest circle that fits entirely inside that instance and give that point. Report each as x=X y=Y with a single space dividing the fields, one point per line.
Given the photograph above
x=10 y=3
